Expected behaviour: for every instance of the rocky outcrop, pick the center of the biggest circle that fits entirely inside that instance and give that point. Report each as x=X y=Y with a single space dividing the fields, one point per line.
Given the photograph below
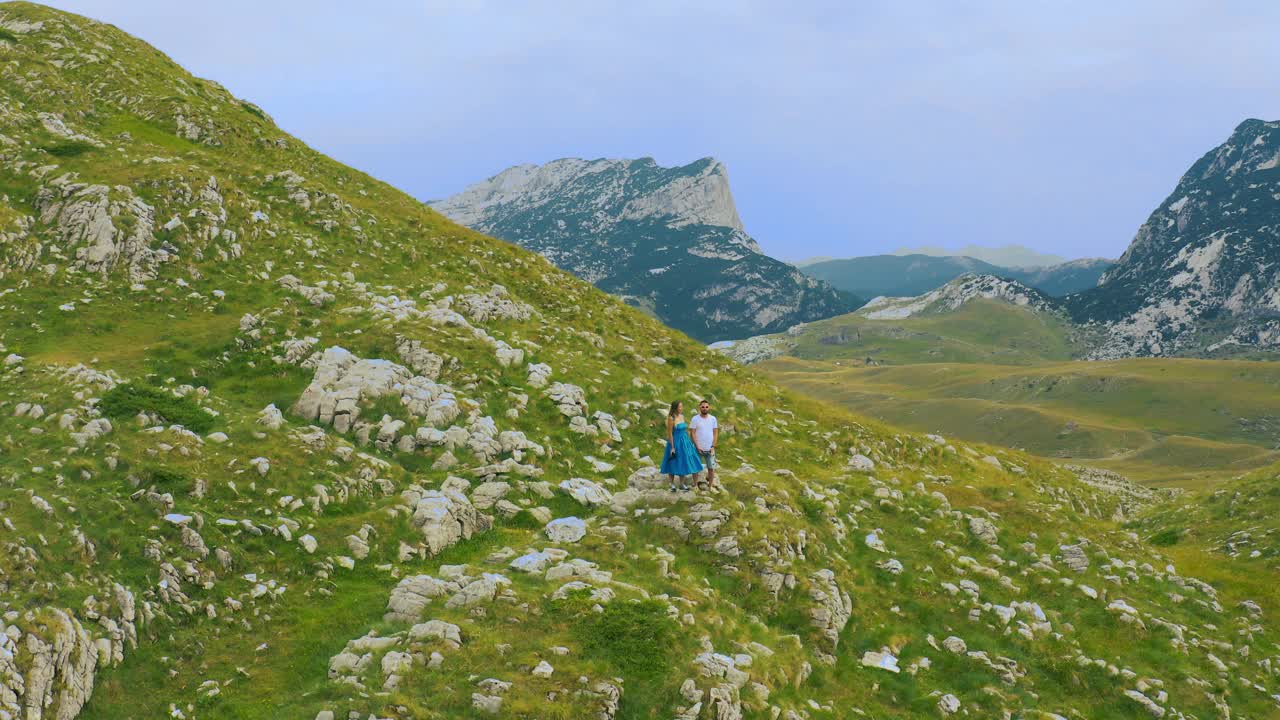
x=47 y=669
x=343 y=380
x=445 y=518
x=831 y=610
x=83 y=221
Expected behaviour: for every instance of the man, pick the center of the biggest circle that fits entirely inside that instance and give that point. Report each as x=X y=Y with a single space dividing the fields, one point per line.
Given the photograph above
x=706 y=435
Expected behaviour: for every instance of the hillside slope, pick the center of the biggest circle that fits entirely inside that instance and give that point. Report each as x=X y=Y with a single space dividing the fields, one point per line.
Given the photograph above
x=895 y=275
x=668 y=240
x=280 y=441
x=1065 y=278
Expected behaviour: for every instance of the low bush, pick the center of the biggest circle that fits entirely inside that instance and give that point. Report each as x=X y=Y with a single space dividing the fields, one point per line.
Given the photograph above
x=126 y=401
x=167 y=479
x=68 y=149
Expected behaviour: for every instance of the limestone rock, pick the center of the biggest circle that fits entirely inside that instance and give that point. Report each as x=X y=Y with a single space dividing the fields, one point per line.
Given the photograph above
x=881 y=661
x=446 y=517
x=566 y=530
x=984 y=530
x=587 y=492
x=1074 y=557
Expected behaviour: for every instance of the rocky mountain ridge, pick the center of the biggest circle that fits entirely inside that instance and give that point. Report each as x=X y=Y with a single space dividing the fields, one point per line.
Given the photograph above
x=668 y=240
x=279 y=441
x=955 y=294
x=1201 y=276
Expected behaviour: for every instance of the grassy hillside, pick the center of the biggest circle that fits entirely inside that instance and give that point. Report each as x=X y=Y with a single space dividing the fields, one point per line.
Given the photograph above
x=1160 y=421
x=279 y=441
x=981 y=331
x=1237 y=519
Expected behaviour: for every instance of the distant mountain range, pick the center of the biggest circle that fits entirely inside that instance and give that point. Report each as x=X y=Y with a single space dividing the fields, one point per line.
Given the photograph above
x=665 y=239
x=1201 y=278
x=908 y=275
x=1008 y=256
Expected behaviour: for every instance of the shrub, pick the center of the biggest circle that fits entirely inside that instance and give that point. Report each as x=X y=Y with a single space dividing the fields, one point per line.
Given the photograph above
x=125 y=401
x=1168 y=536
x=813 y=508
x=166 y=478
x=68 y=149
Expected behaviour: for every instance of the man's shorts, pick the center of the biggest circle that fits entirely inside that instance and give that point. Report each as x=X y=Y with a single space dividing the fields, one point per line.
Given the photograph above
x=708 y=458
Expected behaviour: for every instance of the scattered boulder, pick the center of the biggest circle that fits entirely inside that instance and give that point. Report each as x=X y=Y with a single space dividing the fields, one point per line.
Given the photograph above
x=984 y=530
x=446 y=517
x=566 y=530
x=587 y=492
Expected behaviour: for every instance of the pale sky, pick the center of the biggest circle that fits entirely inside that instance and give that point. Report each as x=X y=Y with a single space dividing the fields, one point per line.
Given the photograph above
x=848 y=128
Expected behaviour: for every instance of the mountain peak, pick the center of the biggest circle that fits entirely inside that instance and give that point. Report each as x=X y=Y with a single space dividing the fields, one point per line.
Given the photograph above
x=617 y=189
x=1201 y=273
x=667 y=239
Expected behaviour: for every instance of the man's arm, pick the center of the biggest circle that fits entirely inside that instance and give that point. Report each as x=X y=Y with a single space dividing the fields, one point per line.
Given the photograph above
x=715 y=436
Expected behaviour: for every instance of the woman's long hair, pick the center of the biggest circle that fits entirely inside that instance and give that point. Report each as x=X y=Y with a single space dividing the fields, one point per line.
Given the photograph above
x=675 y=409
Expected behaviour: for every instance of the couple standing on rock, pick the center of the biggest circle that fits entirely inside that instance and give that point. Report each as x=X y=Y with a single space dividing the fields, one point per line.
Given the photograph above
x=685 y=456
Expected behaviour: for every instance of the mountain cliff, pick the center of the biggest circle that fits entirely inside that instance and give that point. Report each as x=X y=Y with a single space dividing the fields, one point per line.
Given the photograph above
x=1203 y=273
x=277 y=440
x=668 y=240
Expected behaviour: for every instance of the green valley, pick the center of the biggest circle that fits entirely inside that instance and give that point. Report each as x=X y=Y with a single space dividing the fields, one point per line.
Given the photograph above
x=1160 y=421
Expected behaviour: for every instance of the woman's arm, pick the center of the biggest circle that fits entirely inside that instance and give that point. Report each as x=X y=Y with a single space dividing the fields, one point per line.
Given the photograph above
x=671 y=424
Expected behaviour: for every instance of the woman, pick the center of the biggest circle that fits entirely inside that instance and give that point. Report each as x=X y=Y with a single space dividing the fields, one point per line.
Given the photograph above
x=681 y=459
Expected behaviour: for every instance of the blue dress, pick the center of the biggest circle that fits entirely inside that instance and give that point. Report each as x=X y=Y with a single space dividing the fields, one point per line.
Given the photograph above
x=686 y=461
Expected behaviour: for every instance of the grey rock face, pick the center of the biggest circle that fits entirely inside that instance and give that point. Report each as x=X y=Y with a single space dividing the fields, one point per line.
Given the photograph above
x=1202 y=275
x=698 y=197
x=47 y=671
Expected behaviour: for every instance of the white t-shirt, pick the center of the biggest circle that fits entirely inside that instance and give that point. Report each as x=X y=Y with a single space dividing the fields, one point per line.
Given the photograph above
x=703 y=428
